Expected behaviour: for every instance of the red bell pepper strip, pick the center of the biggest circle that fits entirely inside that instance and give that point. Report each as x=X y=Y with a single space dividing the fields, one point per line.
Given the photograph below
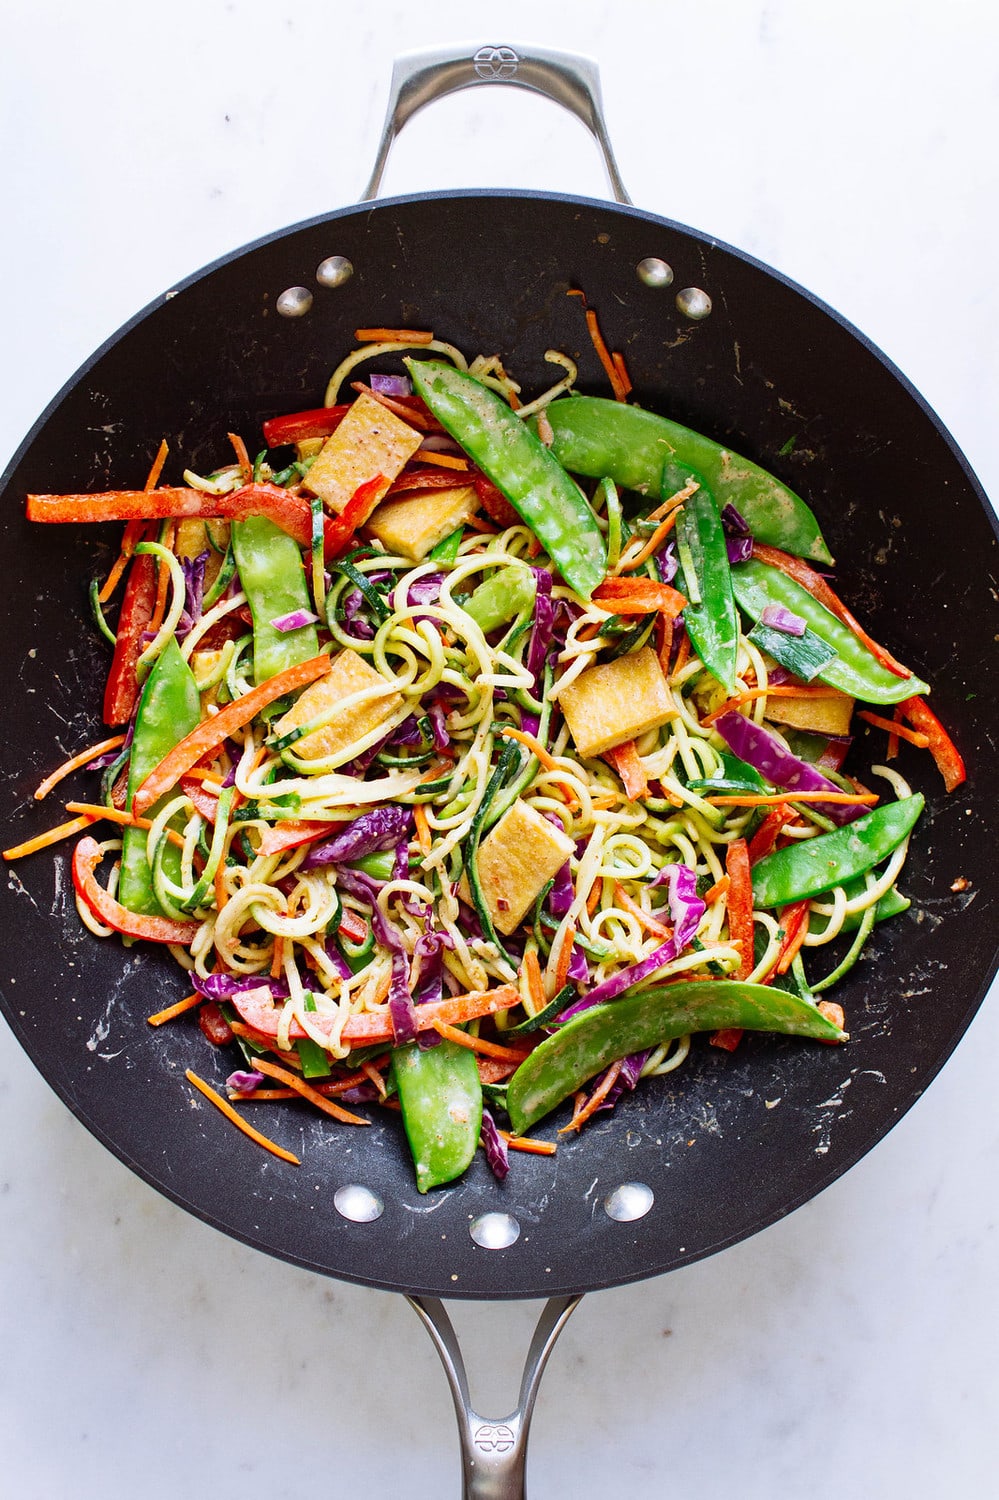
x=339 y=530
x=299 y=426
x=433 y=479
x=259 y=1011
x=214 y=1025
x=290 y=835
x=287 y=510
x=495 y=504
x=638 y=596
x=210 y=733
x=86 y=857
x=628 y=764
x=204 y=802
x=740 y=904
x=941 y=746
x=121 y=692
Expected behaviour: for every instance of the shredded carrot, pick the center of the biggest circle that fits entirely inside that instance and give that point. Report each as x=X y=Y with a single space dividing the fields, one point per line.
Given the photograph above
x=628 y=764
x=43 y=840
x=374 y=1076
x=565 y=958
x=674 y=501
x=643 y=918
x=535 y=746
x=477 y=1044
x=75 y=761
x=531 y=970
x=595 y=1100
x=717 y=891
x=242 y=457
x=892 y=751
x=277 y=957
x=900 y=731
x=529 y=1143
x=834 y=1013
x=393 y=336
x=740 y=904
x=423 y=835
x=95 y=811
x=653 y=544
x=771 y=799
x=237 y=1119
x=794 y=920
x=765 y=837
x=618 y=386
x=622 y=370
x=292 y=1081
x=181 y=1007
x=593 y=899
x=443 y=460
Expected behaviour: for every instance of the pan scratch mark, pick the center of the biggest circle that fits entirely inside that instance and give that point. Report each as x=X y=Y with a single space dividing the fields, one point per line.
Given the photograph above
x=15 y=883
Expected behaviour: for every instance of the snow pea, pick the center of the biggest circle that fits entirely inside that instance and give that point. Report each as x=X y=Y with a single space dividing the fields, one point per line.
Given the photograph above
x=273 y=579
x=853 y=669
x=598 y=438
x=169 y=708
x=509 y=592
x=711 y=620
x=510 y=453
x=441 y=1098
x=815 y=865
x=595 y=1038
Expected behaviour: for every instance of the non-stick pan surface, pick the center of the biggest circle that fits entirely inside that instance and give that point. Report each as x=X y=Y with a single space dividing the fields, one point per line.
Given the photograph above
x=731 y=1142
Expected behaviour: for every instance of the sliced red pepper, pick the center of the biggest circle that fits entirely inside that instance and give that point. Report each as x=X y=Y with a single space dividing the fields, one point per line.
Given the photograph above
x=430 y=479
x=299 y=426
x=946 y=754
x=121 y=691
x=628 y=764
x=765 y=837
x=727 y=1038
x=258 y=1010
x=353 y=926
x=495 y=504
x=289 y=511
x=214 y=1024
x=339 y=530
x=205 y=802
x=290 y=835
x=639 y=596
x=740 y=904
x=86 y=857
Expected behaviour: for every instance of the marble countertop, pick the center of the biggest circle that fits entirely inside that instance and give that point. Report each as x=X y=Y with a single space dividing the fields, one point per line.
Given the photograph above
x=849 y=1348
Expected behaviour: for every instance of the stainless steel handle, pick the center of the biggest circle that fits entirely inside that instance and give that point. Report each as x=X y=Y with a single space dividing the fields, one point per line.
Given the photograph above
x=421 y=77
x=493 y=1452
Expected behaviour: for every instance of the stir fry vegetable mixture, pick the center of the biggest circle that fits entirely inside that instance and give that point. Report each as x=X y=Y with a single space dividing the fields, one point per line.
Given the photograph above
x=471 y=756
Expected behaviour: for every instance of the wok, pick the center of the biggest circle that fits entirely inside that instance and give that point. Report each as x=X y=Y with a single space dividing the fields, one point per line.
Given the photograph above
x=769 y=370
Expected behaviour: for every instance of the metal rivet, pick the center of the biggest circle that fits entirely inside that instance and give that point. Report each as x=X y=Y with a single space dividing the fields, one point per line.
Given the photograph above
x=693 y=303
x=294 y=302
x=494 y=1231
x=358 y=1204
x=334 y=271
x=632 y=1200
x=654 y=272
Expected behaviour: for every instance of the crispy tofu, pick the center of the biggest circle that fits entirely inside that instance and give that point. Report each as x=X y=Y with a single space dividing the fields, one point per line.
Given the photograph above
x=516 y=860
x=192 y=539
x=371 y=440
x=349 y=674
x=616 y=701
x=814 y=715
x=413 y=524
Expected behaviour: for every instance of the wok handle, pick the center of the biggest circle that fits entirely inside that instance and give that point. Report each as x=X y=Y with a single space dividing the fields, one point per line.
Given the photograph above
x=421 y=77
x=493 y=1452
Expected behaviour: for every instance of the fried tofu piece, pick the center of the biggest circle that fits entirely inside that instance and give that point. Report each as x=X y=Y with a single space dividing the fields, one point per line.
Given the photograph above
x=349 y=674
x=515 y=862
x=192 y=539
x=830 y=715
x=371 y=440
x=616 y=701
x=413 y=524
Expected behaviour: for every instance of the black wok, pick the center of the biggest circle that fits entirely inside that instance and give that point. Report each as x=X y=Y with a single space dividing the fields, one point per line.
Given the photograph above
x=772 y=372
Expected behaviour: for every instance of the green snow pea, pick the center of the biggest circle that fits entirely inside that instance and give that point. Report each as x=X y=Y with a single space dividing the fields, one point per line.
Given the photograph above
x=891 y=904
x=441 y=1098
x=169 y=708
x=595 y=1038
x=815 y=865
x=508 y=593
x=853 y=669
x=518 y=463
x=273 y=579
x=598 y=438
x=711 y=618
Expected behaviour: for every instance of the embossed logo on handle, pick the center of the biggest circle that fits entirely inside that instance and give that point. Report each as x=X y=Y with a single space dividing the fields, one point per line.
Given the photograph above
x=495 y=63
x=494 y=1437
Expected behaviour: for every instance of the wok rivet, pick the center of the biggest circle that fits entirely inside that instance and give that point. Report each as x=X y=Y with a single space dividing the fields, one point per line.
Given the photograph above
x=494 y=1231
x=358 y=1204
x=654 y=272
x=334 y=270
x=294 y=302
x=693 y=303
x=632 y=1200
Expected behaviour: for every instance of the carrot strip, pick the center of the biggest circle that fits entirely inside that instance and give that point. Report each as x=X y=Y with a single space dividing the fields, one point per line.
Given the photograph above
x=478 y=1044
x=643 y=918
x=622 y=370
x=444 y=460
x=564 y=958
x=794 y=920
x=765 y=837
x=628 y=764
x=900 y=731
x=834 y=1013
x=618 y=386
x=242 y=457
x=75 y=761
x=292 y=1081
x=653 y=544
x=593 y=899
x=94 y=812
x=531 y=970
x=181 y=1007
x=133 y=531
x=740 y=903
x=770 y=799
x=212 y=732
x=393 y=336
x=719 y=889
x=43 y=840
x=535 y=746
x=162 y=586
x=595 y=1100
x=529 y=1143
x=231 y=1114
x=277 y=957
x=423 y=835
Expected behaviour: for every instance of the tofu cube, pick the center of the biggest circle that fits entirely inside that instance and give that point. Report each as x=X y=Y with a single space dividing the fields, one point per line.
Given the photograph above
x=370 y=440
x=515 y=862
x=616 y=701
x=814 y=715
x=413 y=524
x=192 y=539
x=349 y=674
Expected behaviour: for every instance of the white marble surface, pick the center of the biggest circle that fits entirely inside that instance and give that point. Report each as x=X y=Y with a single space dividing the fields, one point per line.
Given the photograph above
x=849 y=1349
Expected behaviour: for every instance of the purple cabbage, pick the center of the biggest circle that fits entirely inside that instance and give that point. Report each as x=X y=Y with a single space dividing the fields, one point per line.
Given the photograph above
x=667 y=562
x=685 y=906
x=780 y=618
x=194 y=588
x=495 y=1147
x=379 y=829
x=438 y=727
x=224 y=986
x=545 y=612
x=562 y=893
x=337 y=959
x=425 y=590
x=352 y=606
x=244 y=1082
x=296 y=620
x=402 y=1011
x=733 y=522
x=391 y=385
x=775 y=763
x=739 y=548
x=627 y=1079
